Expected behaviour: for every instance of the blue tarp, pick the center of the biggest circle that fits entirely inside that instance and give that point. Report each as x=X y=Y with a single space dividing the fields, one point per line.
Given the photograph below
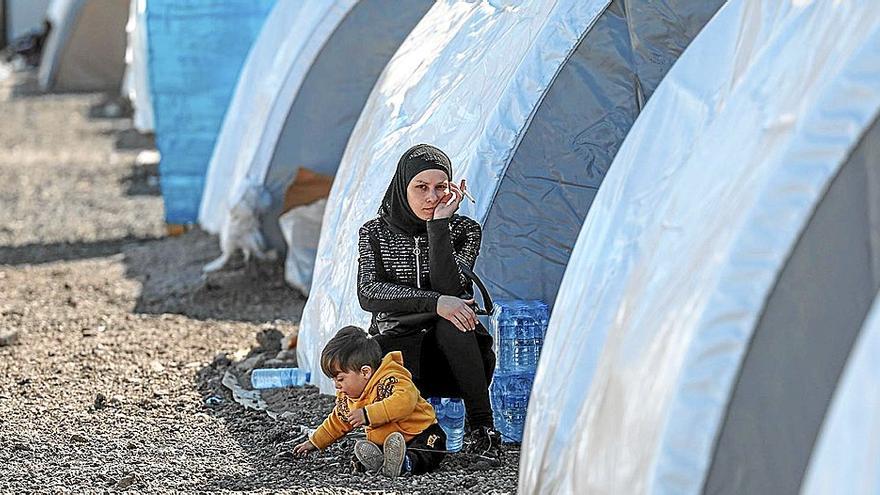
x=196 y=50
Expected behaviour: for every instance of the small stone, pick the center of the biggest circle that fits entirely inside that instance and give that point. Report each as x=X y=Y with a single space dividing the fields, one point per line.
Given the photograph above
x=285 y=456
x=125 y=482
x=76 y=437
x=100 y=401
x=270 y=339
x=8 y=338
x=213 y=401
x=156 y=366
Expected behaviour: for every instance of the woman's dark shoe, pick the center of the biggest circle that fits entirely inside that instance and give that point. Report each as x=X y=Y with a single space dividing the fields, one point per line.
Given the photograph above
x=484 y=441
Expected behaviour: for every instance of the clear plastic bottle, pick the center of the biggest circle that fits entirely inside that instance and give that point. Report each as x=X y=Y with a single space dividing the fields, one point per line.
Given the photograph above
x=454 y=424
x=279 y=377
x=437 y=404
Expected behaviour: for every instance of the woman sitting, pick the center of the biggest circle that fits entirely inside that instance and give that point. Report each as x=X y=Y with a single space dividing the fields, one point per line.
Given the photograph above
x=409 y=265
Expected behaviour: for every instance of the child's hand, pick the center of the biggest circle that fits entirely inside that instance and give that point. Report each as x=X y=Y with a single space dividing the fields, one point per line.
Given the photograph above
x=304 y=448
x=357 y=418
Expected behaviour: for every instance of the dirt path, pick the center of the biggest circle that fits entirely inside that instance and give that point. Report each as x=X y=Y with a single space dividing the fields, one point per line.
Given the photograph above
x=120 y=340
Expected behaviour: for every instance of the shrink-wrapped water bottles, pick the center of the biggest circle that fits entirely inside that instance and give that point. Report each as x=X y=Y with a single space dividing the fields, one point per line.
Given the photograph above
x=518 y=328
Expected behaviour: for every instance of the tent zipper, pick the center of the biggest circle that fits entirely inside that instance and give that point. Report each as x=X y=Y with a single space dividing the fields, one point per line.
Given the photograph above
x=416 y=252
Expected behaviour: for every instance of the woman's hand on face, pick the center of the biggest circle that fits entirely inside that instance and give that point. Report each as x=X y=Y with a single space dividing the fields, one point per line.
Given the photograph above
x=458 y=311
x=449 y=203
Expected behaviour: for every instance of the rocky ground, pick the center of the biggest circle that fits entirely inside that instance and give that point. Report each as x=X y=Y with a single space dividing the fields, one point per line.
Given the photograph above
x=113 y=346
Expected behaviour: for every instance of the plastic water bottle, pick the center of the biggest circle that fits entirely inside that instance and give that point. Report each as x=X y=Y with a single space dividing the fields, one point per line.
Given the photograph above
x=454 y=424
x=437 y=404
x=279 y=377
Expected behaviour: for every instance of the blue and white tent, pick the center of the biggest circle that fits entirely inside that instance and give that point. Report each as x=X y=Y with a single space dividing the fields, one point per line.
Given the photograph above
x=85 y=50
x=300 y=93
x=530 y=100
x=725 y=271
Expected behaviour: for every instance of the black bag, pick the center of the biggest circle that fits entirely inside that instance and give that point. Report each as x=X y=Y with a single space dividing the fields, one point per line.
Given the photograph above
x=401 y=323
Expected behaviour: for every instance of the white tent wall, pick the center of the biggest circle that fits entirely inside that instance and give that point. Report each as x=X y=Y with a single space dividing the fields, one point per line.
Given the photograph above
x=316 y=110
x=552 y=178
x=23 y=16
x=488 y=66
x=276 y=66
x=794 y=358
x=847 y=452
x=136 y=82
x=331 y=98
x=685 y=240
x=86 y=46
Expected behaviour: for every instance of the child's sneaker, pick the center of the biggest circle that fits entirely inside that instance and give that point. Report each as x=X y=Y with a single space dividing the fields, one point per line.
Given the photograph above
x=369 y=454
x=394 y=454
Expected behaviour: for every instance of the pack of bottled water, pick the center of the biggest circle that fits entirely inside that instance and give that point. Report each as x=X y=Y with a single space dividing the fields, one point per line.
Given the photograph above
x=518 y=328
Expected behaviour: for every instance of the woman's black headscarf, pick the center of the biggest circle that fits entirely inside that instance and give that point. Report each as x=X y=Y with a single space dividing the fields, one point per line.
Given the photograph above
x=395 y=210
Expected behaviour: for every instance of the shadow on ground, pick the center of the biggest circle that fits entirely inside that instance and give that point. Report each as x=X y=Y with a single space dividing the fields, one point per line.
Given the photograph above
x=170 y=271
x=33 y=254
x=142 y=180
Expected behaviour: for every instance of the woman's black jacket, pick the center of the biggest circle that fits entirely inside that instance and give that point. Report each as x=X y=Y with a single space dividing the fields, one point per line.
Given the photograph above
x=402 y=273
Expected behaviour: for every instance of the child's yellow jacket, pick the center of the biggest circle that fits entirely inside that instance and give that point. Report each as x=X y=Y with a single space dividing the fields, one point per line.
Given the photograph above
x=392 y=403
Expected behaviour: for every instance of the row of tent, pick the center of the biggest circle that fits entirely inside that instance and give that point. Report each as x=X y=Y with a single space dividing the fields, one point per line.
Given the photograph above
x=712 y=327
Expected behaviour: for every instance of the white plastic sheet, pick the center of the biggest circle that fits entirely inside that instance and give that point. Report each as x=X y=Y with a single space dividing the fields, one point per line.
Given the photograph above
x=847 y=452
x=301 y=227
x=467 y=79
x=685 y=239
x=291 y=38
x=136 y=83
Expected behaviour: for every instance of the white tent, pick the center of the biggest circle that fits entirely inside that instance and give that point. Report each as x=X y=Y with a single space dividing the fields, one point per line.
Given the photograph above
x=530 y=100
x=85 y=50
x=22 y=16
x=299 y=95
x=848 y=448
x=136 y=83
x=725 y=268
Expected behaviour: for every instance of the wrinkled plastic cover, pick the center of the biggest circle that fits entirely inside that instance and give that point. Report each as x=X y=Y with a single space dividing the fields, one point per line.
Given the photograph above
x=685 y=239
x=556 y=170
x=467 y=79
x=847 y=452
x=302 y=228
x=288 y=43
x=136 y=84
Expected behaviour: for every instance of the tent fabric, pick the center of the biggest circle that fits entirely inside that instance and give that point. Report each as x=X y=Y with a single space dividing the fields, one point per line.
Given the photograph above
x=532 y=123
x=22 y=17
x=136 y=83
x=487 y=66
x=847 y=452
x=793 y=361
x=287 y=45
x=85 y=50
x=686 y=238
x=553 y=175
x=195 y=53
x=304 y=116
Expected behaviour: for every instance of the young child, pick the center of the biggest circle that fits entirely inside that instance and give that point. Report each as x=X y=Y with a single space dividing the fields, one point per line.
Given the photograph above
x=377 y=393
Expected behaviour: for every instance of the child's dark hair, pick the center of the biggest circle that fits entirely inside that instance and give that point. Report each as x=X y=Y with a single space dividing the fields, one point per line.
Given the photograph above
x=349 y=350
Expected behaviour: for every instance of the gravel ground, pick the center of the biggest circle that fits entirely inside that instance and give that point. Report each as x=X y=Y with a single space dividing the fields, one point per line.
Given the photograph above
x=113 y=347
